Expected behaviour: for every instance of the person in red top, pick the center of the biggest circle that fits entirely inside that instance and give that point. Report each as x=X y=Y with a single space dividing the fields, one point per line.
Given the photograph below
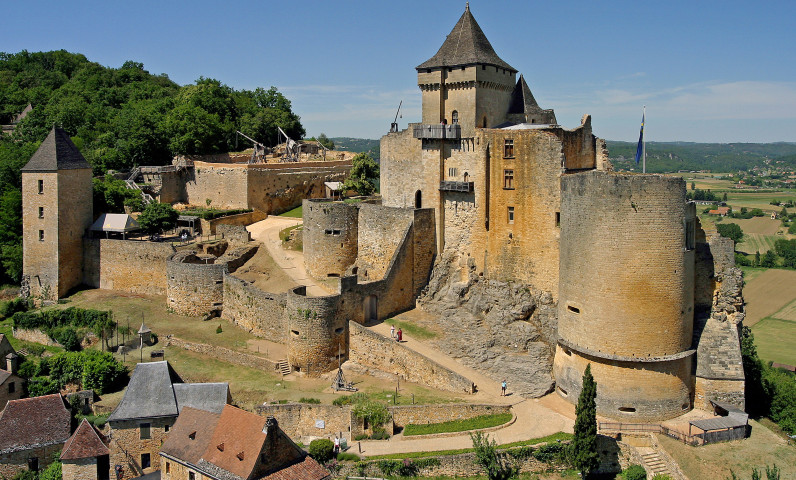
x=400 y=334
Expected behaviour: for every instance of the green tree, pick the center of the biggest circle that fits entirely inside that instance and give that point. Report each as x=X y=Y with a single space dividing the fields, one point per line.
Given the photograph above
x=757 y=402
x=158 y=217
x=757 y=258
x=52 y=472
x=496 y=464
x=325 y=141
x=634 y=472
x=730 y=230
x=375 y=413
x=583 y=449
x=769 y=260
x=364 y=174
x=724 y=197
x=322 y=450
x=693 y=186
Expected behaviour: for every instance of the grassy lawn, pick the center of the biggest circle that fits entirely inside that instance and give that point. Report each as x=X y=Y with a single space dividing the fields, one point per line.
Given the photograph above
x=763 y=448
x=533 y=441
x=750 y=273
x=411 y=329
x=775 y=339
x=295 y=213
x=483 y=421
x=284 y=235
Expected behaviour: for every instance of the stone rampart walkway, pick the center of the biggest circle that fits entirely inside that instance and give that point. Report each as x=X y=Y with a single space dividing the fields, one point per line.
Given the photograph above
x=535 y=417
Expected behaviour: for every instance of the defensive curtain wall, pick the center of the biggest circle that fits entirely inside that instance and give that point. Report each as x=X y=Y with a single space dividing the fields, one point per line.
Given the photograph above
x=127 y=265
x=627 y=301
x=306 y=421
x=269 y=187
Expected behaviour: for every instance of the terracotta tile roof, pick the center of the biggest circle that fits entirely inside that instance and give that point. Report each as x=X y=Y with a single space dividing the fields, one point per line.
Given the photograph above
x=56 y=152
x=465 y=45
x=34 y=422
x=237 y=431
x=86 y=442
x=307 y=469
x=189 y=437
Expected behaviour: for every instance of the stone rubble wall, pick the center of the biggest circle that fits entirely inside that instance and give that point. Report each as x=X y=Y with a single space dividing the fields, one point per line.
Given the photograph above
x=15 y=462
x=404 y=415
x=79 y=469
x=237 y=234
x=34 y=335
x=370 y=349
x=301 y=420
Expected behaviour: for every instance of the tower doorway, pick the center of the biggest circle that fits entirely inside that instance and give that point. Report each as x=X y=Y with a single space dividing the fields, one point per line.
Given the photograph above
x=418 y=199
x=371 y=307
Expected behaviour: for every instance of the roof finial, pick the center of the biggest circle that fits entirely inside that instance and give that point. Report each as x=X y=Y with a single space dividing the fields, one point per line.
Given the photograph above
x=467 y=7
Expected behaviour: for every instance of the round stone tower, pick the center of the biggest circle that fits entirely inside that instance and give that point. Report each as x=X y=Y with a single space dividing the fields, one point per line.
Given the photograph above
x=316 y=336
x=329 y=237
x=626 y=293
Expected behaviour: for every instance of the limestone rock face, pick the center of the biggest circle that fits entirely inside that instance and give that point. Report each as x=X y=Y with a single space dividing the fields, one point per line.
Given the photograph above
x=505 y=329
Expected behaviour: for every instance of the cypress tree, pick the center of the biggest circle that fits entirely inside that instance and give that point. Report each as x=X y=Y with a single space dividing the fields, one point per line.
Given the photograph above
x=583 y=449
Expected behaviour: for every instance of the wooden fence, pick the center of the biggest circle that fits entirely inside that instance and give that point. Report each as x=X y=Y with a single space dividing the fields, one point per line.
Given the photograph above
x=695 y=440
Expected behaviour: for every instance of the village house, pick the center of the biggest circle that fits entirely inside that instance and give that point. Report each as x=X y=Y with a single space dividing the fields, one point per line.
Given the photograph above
x=85 y=455
x=12 y=386
x=150 y=406
x=32 y=430
x=233 y=445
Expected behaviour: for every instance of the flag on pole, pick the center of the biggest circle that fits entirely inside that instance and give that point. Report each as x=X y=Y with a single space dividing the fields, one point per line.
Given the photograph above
x=640 y=149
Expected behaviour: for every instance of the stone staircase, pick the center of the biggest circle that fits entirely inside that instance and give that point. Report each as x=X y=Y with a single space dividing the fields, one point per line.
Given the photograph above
x=283 y=367
x=653 y=463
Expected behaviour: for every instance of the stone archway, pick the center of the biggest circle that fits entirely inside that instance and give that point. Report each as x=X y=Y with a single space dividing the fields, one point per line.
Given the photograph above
x=371 y=309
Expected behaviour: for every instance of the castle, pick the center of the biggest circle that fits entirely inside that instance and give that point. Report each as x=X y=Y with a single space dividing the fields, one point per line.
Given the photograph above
x=487 y=188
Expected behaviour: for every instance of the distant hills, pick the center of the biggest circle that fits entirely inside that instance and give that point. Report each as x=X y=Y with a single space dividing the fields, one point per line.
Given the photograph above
x=663 y=157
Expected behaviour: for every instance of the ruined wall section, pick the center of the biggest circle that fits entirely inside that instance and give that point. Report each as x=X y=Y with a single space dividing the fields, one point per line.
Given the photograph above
x=579 y=146
x=126 y=265
x=330 y=237
x=254 y=310
x=719 y=365
x=381 y=231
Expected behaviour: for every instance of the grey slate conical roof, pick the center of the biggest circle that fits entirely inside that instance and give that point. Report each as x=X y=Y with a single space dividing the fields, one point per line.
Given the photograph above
x=56 y=152
x=465 y=45
x=522 y=100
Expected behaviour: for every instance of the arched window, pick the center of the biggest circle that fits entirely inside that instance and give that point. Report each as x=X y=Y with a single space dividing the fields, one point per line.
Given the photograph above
x=483 y=124
x=455 y=117
x=418 y=199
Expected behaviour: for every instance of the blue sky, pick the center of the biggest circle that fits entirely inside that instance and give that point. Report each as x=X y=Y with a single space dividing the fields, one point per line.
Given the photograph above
x=710 y=71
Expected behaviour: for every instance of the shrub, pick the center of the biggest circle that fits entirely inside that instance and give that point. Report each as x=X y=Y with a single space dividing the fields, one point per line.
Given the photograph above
x=375 y=413
x=314 y=401
x=634 y=472
x=52 y=472
x=388 y=467
x=13 y=306
x=322 y=450
x=67 y=336
x=218 y=329
x=660 y=476
x=38 y=386
x=379 y=434
x=551 y=452
x=347 y=457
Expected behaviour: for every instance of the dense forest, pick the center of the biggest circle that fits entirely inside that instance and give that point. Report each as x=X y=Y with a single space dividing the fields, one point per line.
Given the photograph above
x=665 y=157
x=118 y=118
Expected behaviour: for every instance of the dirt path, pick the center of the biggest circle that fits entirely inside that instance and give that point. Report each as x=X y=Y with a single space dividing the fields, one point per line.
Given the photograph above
x=535 y=417
x=290 y=261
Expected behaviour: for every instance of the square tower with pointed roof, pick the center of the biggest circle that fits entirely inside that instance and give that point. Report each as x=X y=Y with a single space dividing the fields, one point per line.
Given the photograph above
x=56 y=211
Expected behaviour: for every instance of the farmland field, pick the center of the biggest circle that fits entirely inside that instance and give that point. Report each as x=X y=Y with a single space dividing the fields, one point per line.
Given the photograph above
x=775 y=340
x=768 y=293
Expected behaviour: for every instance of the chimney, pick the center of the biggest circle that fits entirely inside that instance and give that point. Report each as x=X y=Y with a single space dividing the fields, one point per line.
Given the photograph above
x=270 y=429
x=12 y=362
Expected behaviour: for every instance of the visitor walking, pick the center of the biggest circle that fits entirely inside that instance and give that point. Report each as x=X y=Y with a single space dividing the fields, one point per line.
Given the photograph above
x=336 y=445
x=392 y=332
x=503 y=388
x=400 y=335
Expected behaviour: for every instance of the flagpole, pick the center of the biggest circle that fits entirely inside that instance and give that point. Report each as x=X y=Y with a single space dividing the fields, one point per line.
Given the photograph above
x=644 y=144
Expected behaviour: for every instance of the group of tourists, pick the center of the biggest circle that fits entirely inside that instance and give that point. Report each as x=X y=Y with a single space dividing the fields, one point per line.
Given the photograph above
x=397 y=336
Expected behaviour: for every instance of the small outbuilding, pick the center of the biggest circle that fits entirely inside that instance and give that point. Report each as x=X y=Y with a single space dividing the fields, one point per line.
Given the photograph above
x=86 y=455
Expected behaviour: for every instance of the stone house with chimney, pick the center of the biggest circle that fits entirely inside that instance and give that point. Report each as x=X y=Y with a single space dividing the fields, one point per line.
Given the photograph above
x=12 y=386
x=32 y=430
x=233 y=445
x=150 y=406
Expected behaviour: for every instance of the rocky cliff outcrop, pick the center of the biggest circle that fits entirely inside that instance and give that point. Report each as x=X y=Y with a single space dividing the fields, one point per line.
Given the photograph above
x=505 y=329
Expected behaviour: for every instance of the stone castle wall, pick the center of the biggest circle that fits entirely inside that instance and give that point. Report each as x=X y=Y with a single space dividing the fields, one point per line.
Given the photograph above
x=316 y=336
x=629 y=229
x=300 y=420
x=258 y=312
x=126 y=265
x=404 y=415
x=194 y=288
x=237 y=234
x=329 y=236
x=369 y=349
x=380 y=235
x=399 y=152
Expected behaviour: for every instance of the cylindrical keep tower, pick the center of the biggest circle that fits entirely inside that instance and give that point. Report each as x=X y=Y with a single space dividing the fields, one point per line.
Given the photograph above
x=626 y=293
x=330 y=237
x=315 y=333
x=194 y=287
